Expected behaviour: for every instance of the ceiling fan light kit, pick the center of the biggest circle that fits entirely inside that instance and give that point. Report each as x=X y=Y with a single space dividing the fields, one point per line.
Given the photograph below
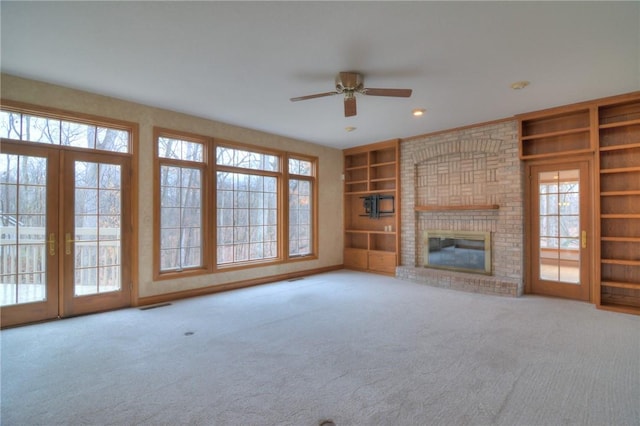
x=349 y=83
x=519 y=85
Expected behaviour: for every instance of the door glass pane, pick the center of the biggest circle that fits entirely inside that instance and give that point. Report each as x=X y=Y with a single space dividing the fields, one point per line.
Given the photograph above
x=559 y=199
x=23 y=241
x=98 y=218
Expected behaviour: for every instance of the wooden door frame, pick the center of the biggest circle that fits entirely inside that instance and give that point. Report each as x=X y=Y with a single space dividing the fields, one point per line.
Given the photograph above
x=592 y=223
x=39 y=311
x=94 y=303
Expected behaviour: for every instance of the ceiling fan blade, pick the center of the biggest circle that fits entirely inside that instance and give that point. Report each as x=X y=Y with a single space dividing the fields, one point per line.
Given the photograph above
x=317 y=95
x=398 y=93
x=350 y=106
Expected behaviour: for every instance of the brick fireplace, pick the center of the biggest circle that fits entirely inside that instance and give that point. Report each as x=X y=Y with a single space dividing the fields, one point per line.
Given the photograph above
x=464 y=180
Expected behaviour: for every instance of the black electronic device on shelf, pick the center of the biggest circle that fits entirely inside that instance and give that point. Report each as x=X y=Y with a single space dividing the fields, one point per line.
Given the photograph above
x=378 y=205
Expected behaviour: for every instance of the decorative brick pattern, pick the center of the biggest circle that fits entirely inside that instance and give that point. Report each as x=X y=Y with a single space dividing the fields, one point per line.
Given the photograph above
x=477 y=165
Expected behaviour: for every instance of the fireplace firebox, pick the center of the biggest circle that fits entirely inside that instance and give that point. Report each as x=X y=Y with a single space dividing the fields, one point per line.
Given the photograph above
x=465 y=251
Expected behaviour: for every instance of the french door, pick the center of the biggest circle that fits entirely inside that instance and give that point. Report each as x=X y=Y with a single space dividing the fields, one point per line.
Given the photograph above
x=560 y=224
x=64 y=240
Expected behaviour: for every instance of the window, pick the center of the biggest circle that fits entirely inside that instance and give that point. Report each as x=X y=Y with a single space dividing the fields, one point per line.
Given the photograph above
x=301 y=184
x=247 y=205
x=181 y=208
x=56 y=131
x=264 y=208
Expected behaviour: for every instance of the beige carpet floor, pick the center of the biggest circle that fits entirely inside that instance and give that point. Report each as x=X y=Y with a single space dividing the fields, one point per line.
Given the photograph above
x=355 y=348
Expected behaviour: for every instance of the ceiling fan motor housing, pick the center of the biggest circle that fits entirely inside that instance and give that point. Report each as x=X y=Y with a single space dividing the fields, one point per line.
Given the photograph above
x=349 y=82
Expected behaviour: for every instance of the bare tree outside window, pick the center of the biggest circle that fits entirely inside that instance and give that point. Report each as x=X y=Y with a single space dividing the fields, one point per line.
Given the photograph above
x=181 y=210
x=300 y=207
x=247 y=206
x=31 y=128
x=252 y=189
x=23 y=196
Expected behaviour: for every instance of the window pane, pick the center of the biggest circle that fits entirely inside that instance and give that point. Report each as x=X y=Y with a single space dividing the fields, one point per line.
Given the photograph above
x=224 y=156
x=247 y=159
x=112 y=140
x=180 y=218
x=300 y=167
x=224 y=181
x=299 y=217
x=23 y=247
x=244 y=223
x=10 y=126
x=169 y=259
x=39 y=129
x=168 y=148
x=191 y=151
x=78 y=135
x=32 y=128
x=180 y=149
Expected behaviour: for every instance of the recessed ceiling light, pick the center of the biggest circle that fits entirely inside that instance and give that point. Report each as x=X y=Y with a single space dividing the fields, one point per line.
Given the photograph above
x=418 y=112
x=350 y=128
x=519 y=85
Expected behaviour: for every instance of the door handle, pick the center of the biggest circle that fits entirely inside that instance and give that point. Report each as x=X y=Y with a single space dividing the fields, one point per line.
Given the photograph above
x=52 y=244
x=584 y=239
x=67 y=243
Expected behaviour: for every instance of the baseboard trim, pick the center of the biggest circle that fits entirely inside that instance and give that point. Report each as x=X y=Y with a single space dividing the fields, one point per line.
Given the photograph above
x=168 y=297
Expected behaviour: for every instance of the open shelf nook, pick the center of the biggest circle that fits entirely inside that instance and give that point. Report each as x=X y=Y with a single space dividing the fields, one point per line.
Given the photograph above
x=371 y=207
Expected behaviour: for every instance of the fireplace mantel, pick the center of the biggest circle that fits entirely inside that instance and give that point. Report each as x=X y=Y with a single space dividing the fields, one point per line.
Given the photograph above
x=438 y=207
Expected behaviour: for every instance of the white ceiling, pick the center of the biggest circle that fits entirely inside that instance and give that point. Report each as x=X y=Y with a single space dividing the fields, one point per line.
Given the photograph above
x=240 y=62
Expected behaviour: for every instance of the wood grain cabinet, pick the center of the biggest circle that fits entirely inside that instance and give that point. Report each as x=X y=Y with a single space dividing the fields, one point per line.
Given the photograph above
x=371 y=200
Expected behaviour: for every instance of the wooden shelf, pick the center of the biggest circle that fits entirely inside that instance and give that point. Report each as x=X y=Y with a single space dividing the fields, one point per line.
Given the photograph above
x=556 y=133
x=634 y=286
x=621 y=239
x=619 y=124
x=619 y=308
x=381 y=251
x=555 y=154
x=435 y=208
x=369 y=192
x=368 y=231
x=620 y=170
x=348 y=169
x=620 y=262
x=391 y=179
x=620 y=216
x=619 y=193
x=387 y=163
x=619 y=147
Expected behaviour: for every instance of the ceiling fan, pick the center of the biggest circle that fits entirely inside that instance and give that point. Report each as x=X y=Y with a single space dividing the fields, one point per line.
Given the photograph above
x=349 y=83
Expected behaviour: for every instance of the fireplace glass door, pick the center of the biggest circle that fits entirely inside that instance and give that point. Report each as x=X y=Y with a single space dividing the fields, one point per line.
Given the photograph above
x=559 y=222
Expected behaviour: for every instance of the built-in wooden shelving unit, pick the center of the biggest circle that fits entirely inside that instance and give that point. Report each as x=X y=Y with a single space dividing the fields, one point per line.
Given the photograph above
x=608 y=132
x=545 y=136
x=619 y=185
x=372 y=207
